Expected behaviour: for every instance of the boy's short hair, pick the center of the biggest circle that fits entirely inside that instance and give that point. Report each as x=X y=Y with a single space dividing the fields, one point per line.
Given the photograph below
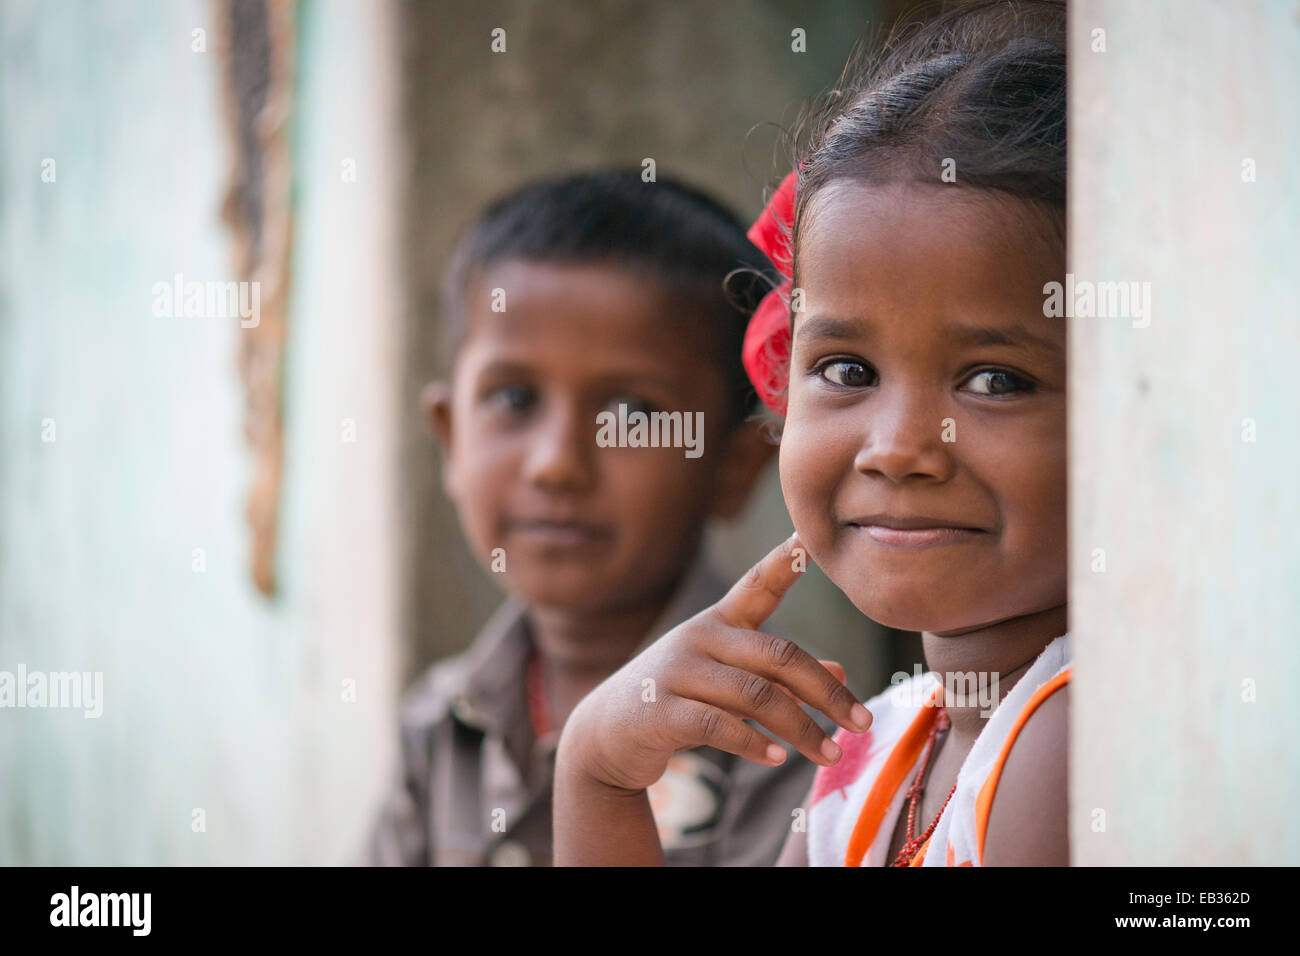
x=692 y=247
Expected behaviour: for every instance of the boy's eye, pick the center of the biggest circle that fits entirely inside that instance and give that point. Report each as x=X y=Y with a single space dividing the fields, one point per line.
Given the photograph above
x=848 y=374
x=998 y=381
x=517 y=398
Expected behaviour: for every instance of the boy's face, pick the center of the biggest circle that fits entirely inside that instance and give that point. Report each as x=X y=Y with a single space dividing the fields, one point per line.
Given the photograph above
x=924 y=455
x=582 y=527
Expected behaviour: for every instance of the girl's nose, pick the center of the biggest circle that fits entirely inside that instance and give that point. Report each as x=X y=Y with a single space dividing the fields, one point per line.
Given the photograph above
x=561 y=449
x=907 y=438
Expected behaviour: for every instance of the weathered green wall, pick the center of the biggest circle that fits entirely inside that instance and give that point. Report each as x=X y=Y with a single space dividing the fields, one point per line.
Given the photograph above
x=214 y=697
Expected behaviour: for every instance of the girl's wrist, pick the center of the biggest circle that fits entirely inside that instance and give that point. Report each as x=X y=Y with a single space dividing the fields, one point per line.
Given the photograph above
x=600 y=824
x=573 y=753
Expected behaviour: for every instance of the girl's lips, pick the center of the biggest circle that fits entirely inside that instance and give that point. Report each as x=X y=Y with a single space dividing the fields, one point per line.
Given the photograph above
x=914 y=533
x=908 y=539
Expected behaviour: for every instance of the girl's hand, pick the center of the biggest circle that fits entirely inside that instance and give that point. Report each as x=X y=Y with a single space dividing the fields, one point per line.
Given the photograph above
x=698 y=683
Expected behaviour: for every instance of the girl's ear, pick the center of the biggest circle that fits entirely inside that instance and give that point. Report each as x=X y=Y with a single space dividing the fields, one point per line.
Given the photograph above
x=435 y=402
x=749 y=448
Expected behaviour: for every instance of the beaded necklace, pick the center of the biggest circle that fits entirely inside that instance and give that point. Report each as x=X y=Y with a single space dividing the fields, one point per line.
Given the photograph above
x=539 y=710
x=914 y=843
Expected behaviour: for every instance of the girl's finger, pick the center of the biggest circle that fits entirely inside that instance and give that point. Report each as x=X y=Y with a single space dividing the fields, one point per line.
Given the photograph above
x=754 y=597
x=784 y=662
x=837 y=671
x=748 y=695
x=696 y=724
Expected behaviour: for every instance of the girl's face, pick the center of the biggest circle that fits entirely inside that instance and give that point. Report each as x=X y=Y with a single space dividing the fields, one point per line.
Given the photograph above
x=923 y=459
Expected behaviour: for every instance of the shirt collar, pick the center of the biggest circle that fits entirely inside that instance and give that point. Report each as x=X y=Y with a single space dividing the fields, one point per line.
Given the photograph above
x=486 y=686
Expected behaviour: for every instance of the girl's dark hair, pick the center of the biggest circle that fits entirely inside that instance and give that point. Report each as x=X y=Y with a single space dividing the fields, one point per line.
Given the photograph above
x=672 y=234
x=981 y=84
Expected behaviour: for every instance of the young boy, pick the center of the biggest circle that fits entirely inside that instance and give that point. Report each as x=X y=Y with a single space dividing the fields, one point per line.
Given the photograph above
x=595 y=419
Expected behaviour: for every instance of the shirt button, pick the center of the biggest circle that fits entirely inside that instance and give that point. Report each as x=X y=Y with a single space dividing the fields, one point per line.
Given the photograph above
x=510 y=853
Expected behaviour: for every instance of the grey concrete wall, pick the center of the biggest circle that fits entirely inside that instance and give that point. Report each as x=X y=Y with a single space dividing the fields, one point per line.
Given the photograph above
x=1185 y=569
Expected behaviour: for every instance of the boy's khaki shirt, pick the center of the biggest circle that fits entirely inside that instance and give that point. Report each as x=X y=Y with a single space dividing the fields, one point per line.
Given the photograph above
x=475 y=784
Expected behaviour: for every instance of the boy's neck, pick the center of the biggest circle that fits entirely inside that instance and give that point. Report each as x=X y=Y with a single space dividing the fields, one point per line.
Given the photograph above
x=579 y=650
x=1007 y=649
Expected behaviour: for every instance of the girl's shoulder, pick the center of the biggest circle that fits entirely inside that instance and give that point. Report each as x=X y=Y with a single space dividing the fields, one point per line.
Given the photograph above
x=840 y=792
x=963 y=830
x=1032 y=779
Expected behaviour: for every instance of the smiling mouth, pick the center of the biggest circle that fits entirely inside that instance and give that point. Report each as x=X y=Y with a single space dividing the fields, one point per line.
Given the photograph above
x=914 y=533
x=560 y=534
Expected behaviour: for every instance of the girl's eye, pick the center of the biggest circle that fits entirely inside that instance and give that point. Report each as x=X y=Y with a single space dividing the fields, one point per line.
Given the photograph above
x=848 y=374
x=517 y=398
x=998 y=381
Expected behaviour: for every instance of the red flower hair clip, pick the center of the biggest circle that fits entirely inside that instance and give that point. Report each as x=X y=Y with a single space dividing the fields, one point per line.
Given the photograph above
x=766 y=351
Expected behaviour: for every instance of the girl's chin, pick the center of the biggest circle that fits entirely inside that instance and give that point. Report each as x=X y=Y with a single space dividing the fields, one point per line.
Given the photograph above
x=909 y=612
x=911 y=593
x=902 y=622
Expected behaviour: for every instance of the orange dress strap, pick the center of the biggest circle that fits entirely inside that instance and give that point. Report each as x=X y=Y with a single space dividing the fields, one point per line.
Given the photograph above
x=901 y=760
x=920 y=854
x=984 y=802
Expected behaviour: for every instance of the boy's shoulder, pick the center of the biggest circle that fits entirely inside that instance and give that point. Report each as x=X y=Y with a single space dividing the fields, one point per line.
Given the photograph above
x=468 y=685
x=425 y=702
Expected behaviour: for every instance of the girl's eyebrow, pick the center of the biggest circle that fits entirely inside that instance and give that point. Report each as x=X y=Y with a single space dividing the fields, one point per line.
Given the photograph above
x=823 y=327
x=1015 y=337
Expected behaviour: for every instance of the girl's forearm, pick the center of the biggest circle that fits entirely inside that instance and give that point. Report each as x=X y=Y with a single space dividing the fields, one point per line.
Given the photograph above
x=599 y=825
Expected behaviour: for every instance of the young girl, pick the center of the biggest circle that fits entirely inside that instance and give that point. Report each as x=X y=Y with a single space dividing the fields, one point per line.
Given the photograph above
x=923 y=462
